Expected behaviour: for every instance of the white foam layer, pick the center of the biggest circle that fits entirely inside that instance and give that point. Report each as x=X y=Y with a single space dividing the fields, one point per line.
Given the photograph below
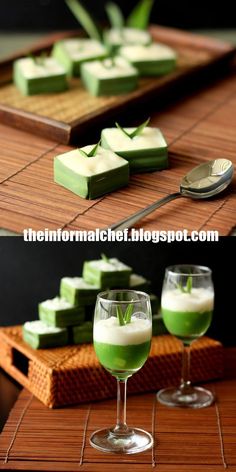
x=136 y=279
x=150 y=138
x=199 y=300
x=106 y=69
x=113 y=265
x=79 y=282
x=104 y=161
x=56 y=303
x=109 y=331
x=127 y=36
x=46 y=67
x=80 y=49
x=152 y=52
x=38 y=327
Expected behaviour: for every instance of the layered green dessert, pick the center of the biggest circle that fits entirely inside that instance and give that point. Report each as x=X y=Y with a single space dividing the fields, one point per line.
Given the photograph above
x=59 y=312
x=73 y=52
x=112 y=76
x=187 y=315
x=40 y=336
x=138 y=282
x=122 y=350
x=107 y=273
x=83 y=333
x=35 y=75
x=116 y=37
x=154 y=59
x=91 y=171
x=144 y=148
x=78 y=292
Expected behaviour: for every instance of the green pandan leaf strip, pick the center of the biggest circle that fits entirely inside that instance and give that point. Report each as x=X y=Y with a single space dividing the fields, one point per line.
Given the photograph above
x=115 y=15
x=122 y=129
x=140 y=15
x=128 y=313
x=84 y=18
x=120 y=316
x=189 y=284
x=104 y=257
x=139 y=129
x=93 y=151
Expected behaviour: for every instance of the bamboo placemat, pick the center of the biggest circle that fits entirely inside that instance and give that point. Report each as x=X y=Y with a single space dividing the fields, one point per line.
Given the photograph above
x=63 y=116
x=35 y=438
x=198 y=128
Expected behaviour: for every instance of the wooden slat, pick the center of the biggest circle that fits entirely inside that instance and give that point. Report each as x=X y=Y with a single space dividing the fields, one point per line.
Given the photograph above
x=35 y=438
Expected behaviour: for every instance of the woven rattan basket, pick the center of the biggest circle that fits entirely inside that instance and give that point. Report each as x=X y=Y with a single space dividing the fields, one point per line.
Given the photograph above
x=73 y=374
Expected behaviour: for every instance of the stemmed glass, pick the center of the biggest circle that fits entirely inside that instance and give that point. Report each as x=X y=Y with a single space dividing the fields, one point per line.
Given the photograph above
x=187 y=305
x=122 y=338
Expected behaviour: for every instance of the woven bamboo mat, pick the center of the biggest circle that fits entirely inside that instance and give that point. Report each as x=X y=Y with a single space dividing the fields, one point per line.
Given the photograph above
x=198 y=128
x=35 y=438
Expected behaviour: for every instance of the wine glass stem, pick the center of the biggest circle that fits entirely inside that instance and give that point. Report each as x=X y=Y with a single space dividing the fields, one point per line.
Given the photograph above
x=121 y=426
x=185 y=385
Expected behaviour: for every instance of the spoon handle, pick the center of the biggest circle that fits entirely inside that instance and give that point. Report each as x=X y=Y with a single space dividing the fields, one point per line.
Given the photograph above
x=131 y=220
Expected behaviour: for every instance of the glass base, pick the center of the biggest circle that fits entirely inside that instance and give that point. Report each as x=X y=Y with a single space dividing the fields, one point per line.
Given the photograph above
x=195 y=397
x=134 y=440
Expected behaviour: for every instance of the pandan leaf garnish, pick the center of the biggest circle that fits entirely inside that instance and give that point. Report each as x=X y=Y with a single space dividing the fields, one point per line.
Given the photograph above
x=115 y=15
x=104 y=257
x=136 y=132
x=91 y=153
x=126 y=317
x=140 y=15
x=188 y=287
x=84 y=18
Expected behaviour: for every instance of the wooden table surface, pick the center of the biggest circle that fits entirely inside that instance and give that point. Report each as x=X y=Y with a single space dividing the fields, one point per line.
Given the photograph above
x=36 y=438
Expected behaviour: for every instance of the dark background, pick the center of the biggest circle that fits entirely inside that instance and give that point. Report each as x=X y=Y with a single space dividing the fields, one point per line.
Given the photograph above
x=54 y=14
x=31 y=272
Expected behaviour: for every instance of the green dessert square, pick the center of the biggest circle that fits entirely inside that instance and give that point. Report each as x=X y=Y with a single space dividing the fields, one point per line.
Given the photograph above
x=78 y=292
x=83 y=333
x=117 y=37
x=109 y=273
x=59 y=312
x=73 y=52
x=151 y=60
x=109 y=76
x=145 y=152
x=40 y=336
x=138 y=282
x=91 y=177
x=39 y=75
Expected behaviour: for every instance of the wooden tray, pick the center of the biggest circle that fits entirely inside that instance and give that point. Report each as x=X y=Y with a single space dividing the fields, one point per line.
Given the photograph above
x=63 y=117
x=36 y=438
x=72 y=374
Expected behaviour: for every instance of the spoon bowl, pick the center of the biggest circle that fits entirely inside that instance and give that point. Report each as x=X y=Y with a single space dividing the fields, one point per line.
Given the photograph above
x=204 y=181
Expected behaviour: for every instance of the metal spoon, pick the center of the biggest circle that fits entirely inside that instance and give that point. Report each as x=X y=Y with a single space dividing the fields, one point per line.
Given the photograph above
x=204 y=181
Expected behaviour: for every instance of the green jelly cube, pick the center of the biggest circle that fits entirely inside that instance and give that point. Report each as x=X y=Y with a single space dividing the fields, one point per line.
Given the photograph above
x=109 y=77
x=78 y=292
x=155 y=303
x=151 y=60
x=145 y=152
x=73 y=52
x=60 y=313
x=107 y=274
x=158 y=326
x=116 y=37
x=91 y=177
x=40 y=336
x=40 y=75
x=138 y=282
x=83 y=334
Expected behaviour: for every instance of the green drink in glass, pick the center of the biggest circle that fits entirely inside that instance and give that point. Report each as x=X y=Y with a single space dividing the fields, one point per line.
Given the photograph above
x=187 y=307
x=122 y=338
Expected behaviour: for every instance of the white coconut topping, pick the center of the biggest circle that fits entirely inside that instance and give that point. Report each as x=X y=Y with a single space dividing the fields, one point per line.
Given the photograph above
x=152 y=52
x=32 y=69
x=117 y=36
x=109 y=331
x=112 y=265
x=136 y=279
x=56 y=303
x=150 y=138
x=103 y=161
x=78 y=282
x=79 y=49
x=38 y=327
x=108 y=69
x=199 y=300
